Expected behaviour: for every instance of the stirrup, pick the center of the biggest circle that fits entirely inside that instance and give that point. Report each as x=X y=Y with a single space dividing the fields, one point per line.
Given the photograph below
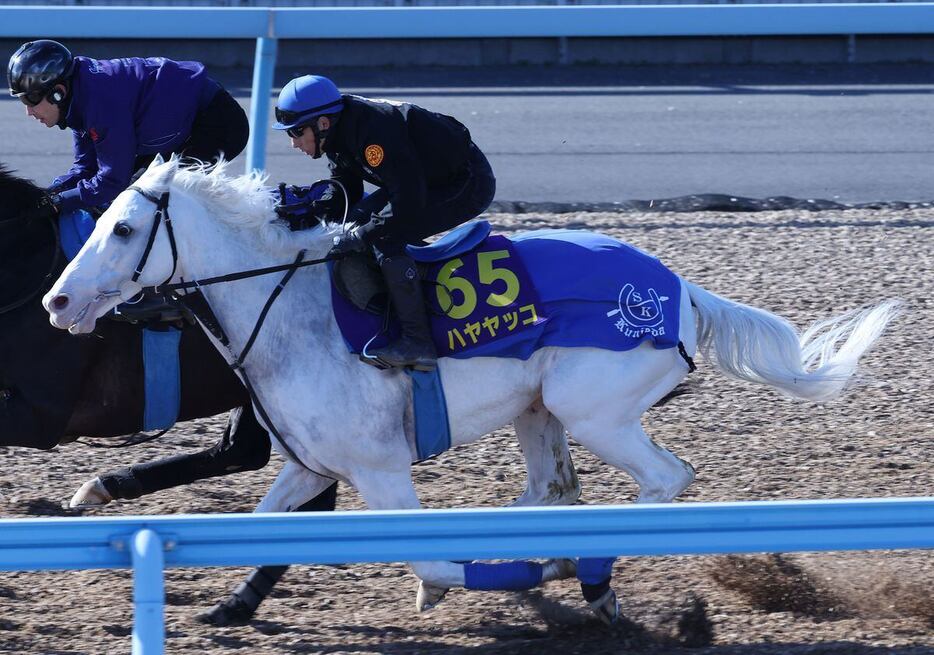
x=383 y=365
x=374 y=361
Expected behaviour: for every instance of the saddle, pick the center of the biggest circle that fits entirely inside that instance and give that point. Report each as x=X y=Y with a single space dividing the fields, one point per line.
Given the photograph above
x=358 y=278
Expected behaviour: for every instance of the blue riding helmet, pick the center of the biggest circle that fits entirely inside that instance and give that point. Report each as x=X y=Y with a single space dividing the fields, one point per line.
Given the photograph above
x=305 y=98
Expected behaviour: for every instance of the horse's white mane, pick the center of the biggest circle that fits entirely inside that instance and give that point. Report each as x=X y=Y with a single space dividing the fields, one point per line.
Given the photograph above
x=243 y=202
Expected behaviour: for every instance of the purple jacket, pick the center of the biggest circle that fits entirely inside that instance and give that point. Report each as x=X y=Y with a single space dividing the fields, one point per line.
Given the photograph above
x=121 y=108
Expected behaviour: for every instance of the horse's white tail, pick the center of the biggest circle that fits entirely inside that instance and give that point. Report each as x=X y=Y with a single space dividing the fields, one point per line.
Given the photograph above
x=755 y=345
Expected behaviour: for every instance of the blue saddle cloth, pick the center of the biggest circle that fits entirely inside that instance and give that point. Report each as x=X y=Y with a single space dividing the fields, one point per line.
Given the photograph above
x=496 y=297
x=74 y=229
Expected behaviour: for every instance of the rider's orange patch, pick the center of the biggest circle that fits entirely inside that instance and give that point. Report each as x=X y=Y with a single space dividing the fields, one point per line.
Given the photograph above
x=374 y=155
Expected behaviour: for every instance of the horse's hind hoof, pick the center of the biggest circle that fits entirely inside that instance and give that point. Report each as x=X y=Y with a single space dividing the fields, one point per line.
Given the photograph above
x=606 y=607
x=91 y=494
x=428 y=596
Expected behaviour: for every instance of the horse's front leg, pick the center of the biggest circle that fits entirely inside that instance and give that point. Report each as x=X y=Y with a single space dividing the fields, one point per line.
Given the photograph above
x=290 y=492
x=243 y=447
x=240 y=606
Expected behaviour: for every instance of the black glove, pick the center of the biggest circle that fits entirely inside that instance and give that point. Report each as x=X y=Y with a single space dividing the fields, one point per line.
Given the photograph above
x=349 y=242
x=47 y=207
x=329 y=207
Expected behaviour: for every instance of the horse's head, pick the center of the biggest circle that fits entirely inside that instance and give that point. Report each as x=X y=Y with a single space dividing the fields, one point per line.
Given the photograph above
x=129 y=249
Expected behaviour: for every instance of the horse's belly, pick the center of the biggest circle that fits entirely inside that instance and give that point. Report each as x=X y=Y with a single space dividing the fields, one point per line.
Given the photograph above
x=485 y=393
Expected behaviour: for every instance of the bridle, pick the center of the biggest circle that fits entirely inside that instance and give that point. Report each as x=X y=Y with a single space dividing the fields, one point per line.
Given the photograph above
x=161 y=215
x=199 y=307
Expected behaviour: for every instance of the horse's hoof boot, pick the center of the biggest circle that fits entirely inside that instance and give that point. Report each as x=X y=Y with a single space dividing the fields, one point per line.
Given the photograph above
x=428 y=596
x=606 y=607
x=229 y=612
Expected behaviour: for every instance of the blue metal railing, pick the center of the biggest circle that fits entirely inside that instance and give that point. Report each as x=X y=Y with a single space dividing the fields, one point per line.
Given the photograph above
x=147 y=544
x=267 y=25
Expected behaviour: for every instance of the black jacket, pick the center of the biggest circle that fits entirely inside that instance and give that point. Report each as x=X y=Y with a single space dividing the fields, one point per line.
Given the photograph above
x=401 y=148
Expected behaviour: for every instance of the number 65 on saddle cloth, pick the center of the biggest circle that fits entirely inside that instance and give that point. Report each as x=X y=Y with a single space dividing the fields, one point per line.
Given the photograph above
x=492 y=296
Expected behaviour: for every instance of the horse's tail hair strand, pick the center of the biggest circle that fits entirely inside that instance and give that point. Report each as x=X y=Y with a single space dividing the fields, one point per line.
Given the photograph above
x=754 y=345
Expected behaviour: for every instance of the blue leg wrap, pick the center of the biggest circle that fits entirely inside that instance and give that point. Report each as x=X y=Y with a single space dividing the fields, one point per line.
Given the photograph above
x=507 y=576
x=594 y=570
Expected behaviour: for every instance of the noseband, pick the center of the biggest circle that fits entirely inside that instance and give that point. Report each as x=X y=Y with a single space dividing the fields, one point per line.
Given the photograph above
x=161 y=215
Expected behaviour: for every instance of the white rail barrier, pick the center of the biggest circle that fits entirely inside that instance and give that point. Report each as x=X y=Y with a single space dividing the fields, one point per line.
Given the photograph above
x=267 y=25
x=147 y=544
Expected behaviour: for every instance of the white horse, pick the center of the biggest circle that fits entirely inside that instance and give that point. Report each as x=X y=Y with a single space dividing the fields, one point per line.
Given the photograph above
x=343 y=419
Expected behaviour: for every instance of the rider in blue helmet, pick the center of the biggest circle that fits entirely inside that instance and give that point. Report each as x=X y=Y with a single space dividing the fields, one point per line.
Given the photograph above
x=430 y=177
x=123 y=112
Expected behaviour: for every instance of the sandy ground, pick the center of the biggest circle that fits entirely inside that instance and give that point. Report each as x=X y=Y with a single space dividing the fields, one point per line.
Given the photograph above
x=746 y=442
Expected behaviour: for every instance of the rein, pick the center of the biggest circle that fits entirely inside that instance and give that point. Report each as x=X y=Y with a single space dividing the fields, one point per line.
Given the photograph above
x=199 y=306
x=162 y=216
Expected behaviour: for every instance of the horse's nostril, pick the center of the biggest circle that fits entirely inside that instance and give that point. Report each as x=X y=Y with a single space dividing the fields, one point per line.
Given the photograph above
x=60 y=302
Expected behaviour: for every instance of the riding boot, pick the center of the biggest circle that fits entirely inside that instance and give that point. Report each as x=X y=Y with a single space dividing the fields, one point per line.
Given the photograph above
x=415 y=347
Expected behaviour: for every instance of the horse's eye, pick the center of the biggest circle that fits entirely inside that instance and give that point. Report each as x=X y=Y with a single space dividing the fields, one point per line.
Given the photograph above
x=121 y=229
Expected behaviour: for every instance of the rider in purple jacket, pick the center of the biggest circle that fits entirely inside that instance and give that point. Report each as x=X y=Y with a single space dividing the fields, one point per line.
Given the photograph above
x=123 y=112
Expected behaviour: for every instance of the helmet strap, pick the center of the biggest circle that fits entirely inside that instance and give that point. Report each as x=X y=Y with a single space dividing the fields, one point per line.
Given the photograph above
x=320 y=135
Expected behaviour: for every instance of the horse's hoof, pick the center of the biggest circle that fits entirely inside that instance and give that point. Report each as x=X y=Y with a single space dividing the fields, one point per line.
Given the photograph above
x=606 y=607
x=232 y=611
x=428 y=596
x=558 y=569
x=91 y=494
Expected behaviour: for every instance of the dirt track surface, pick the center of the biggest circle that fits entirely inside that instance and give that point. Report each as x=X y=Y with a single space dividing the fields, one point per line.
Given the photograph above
x=747 y=443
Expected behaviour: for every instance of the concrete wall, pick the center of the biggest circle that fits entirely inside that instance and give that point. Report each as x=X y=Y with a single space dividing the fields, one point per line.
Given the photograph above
x=307 y=54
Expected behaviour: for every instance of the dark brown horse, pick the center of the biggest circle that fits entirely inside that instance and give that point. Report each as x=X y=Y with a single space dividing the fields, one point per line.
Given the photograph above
x=55 y=387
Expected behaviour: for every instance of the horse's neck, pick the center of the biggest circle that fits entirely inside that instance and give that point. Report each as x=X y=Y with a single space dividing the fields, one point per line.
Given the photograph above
x=209 y=247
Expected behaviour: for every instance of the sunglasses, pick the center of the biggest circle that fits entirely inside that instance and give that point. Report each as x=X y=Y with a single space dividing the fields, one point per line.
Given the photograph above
x=32 y=98
x=296 y=132
x=286 y=116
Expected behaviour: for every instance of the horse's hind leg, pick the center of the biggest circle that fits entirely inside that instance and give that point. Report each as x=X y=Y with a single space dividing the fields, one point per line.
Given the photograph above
x=661 y=475
x=551 y=479
x=601 y=396
x=601 y=399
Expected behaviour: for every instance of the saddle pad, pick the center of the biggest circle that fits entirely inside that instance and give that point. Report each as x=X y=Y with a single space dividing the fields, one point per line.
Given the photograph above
x=74 y=229
x=509 y=297
x=162 y=376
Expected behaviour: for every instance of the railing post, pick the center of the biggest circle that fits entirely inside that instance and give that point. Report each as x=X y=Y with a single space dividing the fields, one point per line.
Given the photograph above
x=564 y=56
x=263 y=67
x=148 y=593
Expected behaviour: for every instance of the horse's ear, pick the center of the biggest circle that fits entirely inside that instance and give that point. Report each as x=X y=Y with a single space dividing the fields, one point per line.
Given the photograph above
x=161 y=172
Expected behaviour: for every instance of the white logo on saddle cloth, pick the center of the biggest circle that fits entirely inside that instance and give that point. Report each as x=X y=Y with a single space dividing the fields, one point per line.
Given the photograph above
x=639 y=315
